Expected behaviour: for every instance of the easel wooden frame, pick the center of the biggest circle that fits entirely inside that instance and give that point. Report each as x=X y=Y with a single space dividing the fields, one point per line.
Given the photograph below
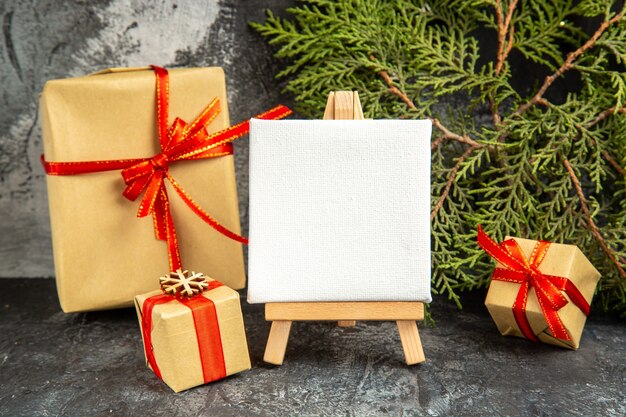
x=344 y=105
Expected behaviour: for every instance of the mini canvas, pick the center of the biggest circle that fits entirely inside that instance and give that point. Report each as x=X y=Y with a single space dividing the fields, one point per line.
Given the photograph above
x=339 y=210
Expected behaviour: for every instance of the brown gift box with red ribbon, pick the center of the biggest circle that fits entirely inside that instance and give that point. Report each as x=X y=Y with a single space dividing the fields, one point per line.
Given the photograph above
x=190 y=342
x=540 y=291
x=103 y=255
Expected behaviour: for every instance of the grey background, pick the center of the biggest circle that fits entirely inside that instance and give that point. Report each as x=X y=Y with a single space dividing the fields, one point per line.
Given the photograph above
x=48 y=39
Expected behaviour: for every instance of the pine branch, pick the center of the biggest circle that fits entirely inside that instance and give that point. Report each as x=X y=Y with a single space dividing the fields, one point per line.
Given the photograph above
x=592 y=226
x=504 y=48
x=406 y=100
x=451 y=178
x=613 y=163
x=567 y=64
x=435 y=144
x=393 y=89
x=603 y=115
x=605 y=154
x=606 y=113
x=454 y=136
x=503 y=29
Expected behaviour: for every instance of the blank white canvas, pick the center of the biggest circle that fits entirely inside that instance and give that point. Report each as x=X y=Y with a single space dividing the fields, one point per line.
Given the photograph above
x=339 y=210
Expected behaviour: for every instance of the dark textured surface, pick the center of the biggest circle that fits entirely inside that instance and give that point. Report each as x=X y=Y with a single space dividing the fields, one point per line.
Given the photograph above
x=46 y=39
x=91 y=364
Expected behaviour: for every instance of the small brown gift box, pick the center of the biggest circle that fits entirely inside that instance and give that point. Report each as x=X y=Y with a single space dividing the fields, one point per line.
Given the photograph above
x=103 y=254
x=194 y=341
x=562 y=261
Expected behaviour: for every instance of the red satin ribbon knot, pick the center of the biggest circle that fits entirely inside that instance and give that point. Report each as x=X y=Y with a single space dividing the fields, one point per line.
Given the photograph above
x=179 y=142
x=548 y=288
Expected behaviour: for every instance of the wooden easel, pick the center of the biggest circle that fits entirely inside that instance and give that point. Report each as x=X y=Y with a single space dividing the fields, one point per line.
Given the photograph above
x=344 y=105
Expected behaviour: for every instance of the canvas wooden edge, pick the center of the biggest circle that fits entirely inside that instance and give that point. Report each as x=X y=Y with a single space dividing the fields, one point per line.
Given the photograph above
x=345 y=311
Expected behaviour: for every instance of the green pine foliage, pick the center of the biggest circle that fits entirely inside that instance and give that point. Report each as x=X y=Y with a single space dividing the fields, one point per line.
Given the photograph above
x=508 y=150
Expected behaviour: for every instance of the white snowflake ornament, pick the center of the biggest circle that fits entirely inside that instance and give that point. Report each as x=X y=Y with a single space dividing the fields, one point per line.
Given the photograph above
x=184 y=284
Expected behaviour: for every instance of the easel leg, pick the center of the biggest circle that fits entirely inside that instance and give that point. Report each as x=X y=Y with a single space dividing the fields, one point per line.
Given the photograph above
x=411 y=343
x=346 y=323
x=277 y=342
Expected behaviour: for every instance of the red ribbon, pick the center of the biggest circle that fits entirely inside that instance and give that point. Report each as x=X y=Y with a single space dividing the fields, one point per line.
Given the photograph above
x=520 y=270
x=179 y=142
x=207 y=330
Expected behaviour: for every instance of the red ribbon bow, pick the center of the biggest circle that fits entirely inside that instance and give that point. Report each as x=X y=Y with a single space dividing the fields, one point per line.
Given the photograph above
x=520 y=270
x=180 y=142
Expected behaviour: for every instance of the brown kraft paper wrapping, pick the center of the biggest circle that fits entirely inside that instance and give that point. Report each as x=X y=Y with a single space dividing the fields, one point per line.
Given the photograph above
x=561 y=260
x=175 y=344
x=104 y=255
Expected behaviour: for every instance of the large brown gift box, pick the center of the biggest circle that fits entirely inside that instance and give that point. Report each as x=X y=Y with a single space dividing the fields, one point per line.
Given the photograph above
x=560 y=260
x=103 y=254
x=176 y=338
